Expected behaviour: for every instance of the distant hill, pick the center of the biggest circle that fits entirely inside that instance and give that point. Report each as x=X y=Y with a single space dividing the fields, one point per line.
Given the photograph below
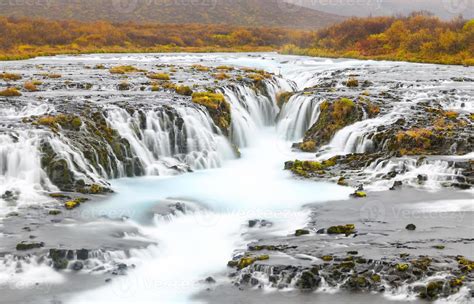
x=445 y=9
x=266 y=13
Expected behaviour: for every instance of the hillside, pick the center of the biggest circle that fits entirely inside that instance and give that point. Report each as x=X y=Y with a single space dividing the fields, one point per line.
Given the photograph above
x=253 y=13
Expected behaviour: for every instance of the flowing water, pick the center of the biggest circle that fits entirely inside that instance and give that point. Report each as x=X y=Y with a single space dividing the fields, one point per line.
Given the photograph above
x=223 y=193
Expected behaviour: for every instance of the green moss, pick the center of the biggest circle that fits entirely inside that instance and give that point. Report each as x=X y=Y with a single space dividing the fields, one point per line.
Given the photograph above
x=375 y=278
x=28 y=246
x=159 y=76
x=72 y=204
x=327 y=258
x=352 y=82
x=402 y=267
x=124 y=69
x=308 y=146
x=359 y=194
x=342 y=229
x=10 y=76
x=184 y=90
x=65 y=121
x=283 y=98
x=217 y=106
x=244 y=262
x=333 y=117
x=124 y=86
x=54 y=212
x=301 y=232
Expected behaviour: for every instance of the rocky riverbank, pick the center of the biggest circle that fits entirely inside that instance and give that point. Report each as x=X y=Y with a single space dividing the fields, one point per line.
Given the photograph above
x=406 y=246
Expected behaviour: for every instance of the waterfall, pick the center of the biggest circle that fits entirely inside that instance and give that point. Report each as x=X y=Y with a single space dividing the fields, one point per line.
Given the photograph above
x=21 y=175
x=298 y=115
x=434 y=172
x=250 y=111
x=163 y=138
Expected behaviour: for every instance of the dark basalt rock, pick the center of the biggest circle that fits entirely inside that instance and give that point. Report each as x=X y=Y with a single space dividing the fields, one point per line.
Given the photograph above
x=82 y=254
x=410 y=227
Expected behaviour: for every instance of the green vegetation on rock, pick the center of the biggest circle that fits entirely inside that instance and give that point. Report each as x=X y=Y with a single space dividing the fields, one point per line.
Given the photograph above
x=217 y=106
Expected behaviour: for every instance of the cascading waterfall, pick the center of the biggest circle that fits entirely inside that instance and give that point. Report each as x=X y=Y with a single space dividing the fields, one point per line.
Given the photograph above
x=21 y=174
x=298 y=115
x=250 y=111
x=162 y=139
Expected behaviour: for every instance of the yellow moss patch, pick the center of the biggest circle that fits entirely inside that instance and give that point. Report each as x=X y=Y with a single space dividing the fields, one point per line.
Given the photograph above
x=124 y=69
x=159 y=76
x=10 y=92
x=30 y=86
x=10 y=76
x=184 y=90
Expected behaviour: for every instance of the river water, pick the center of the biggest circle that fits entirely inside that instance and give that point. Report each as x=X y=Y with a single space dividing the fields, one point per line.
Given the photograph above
x=225 y=193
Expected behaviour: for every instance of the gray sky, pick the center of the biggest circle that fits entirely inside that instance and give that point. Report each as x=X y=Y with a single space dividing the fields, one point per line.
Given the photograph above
x=443 y=8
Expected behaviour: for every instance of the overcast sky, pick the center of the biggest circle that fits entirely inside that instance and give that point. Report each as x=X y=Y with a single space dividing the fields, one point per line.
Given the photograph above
x=443 y=8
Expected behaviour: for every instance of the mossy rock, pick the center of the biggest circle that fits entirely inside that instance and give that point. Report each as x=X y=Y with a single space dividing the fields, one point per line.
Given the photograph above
x=217 y=106
x=342 y=229
x=327 y=258
x=23 y=246
x=54 y=212
x=301 y=232
x=245 y=261
x=282 y=98
x=402 y=267
x=333 y=117
x=184 y=90
x=308 y=146
x=10 y=92
x=72 y=204
x=359 y=194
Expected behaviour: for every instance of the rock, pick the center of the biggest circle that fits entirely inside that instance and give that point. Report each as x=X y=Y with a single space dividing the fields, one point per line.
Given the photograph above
x=301 y=232
x=359 y=194
x=396 y=185
x=342 y=181
x=72 y=204
x=422 y=178
x=308 y=281
x=253 y=223
x=10 y=196
x=327 y=258
x=402 y=267
x=82 y=254
x=410 y=227
x=58 y=256
x=342 y=229
x=321 y=231
x=28 y=246
x=233 y=263
x=54 y=212
x=210 y=280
